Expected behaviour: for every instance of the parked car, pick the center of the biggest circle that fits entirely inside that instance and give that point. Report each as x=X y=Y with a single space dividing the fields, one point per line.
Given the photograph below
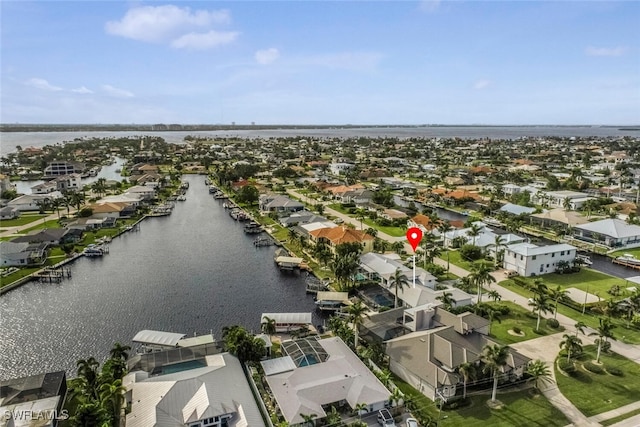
x=411 y=422
x=511 y=273
x=385 y=419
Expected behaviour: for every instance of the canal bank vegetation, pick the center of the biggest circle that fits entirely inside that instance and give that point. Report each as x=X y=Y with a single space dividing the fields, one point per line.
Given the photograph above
x=96 y=397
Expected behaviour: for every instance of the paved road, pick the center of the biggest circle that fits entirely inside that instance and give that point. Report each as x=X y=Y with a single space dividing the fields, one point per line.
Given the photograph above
x=10 y=231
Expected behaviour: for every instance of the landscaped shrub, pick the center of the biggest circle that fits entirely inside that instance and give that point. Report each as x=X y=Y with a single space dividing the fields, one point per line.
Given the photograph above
x=553 y=323
x=470 y=252
x=592 y=367
x=566 y=366
x=613 y=370
x=517 y=330
x=503 y=309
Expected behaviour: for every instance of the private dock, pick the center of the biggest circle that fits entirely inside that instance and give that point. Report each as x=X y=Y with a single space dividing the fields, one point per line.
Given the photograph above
x=52 y=275
x=263 y=241
x=633 y=265
x=315 y=285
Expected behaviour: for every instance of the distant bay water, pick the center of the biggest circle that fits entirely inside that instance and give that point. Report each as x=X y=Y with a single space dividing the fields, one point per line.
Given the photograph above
x=10 y=140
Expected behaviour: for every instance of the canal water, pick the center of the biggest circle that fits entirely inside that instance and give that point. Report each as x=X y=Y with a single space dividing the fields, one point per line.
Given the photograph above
x=194 y=271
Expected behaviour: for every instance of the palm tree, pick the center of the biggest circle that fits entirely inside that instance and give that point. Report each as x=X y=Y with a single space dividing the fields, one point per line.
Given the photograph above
x=558 y=294
x=539 y=371
x=308 y=419
x=398 y=281
x=480 y=276
x=359 y=408
x=395 y=397
x=494 y=295
x=542 y=304
x=498 y=243
x=397 y=247
x=572 y=344
x=333 y=417
x=111 y=398
x=371 y=232
x=119 y=351
x=468 y=371
x=447 y=300
x=493 y=314
x=474 y=231
x=99 y=187
x=580 y=328
x=268 y=325
x=566 y=203
x=88 y=375
x=360 y=216
x=494 y=358
x=604 y=332
x=356 y=312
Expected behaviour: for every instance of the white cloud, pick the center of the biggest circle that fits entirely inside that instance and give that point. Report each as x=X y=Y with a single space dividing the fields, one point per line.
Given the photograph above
x=267 y=56
x=82 y=90
x=118 y=93
x=348 y=60
x=605 y=51
x=42 y=84
x=201 y=41
x=429 y=5
x=159 y=24
x=481 y=84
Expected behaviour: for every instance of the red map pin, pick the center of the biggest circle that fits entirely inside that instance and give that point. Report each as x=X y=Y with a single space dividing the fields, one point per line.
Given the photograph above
x=414 y=235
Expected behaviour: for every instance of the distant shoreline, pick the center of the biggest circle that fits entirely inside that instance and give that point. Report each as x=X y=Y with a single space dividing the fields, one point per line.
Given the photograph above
x=219 y=127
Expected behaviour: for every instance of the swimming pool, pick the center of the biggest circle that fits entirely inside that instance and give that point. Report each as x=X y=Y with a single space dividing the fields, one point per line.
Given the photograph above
x=308 y=360
x=179 y=367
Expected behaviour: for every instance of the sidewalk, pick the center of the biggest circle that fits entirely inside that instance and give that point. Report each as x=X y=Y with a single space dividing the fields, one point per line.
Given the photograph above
x=10 y=231
x=617 y=412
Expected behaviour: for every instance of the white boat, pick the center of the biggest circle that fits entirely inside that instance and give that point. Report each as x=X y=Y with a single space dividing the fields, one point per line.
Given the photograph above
x=585 y=259
x=93 y=250
x=628 y=259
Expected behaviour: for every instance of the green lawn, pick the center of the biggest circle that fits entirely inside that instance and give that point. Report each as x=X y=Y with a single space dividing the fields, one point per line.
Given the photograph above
x=629 y=335
x=596 y=393
x=619 y=418
x=368 y=222
x=521 y=409
x=22 y=220
x=45 y=224
x=456 y=259
x=586 y=279
x=521 y=318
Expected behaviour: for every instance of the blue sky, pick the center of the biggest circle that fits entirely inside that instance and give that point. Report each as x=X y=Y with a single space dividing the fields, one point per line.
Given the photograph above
x=306 y=62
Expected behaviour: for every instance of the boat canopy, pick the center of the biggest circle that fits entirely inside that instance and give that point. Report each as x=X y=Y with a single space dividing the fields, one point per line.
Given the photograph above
x=168 y=339
x=333 y=296
x=288 y=318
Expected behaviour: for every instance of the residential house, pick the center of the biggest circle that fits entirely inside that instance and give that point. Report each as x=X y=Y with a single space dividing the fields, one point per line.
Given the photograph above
x=383 y=267
x=145 y=192
x=279 y=204
x=339 y=235
x=109 y=209
x=517 y=210
x=132 y=199
x=32 y=202
x=301 y=217
x=50 y=236
x=393 y=214
x=9 y=212
x=71 y=182
x=63 y=168
x=314 y=374
x=528 y=259
x=35 y=400
x=559 y=199
x=187 y=391
x=428 y=358
x=485 y=240
x=614 y=233
x=22 y=254
x=337 y=168
x=44 y=188
x=559 y=216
